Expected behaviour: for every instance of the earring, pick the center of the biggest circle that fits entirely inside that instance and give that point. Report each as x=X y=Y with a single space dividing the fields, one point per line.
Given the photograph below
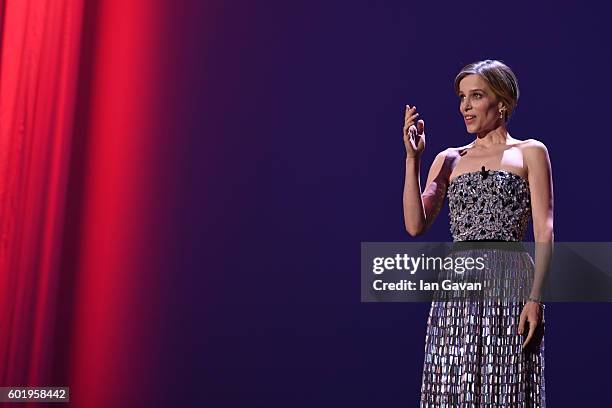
x=501 y=113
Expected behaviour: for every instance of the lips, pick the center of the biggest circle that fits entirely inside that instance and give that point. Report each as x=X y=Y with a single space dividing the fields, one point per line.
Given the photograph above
x=469 y=118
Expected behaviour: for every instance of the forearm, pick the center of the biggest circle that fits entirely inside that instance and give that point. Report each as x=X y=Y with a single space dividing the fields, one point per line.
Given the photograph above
x=414 y=212
x=543 y=254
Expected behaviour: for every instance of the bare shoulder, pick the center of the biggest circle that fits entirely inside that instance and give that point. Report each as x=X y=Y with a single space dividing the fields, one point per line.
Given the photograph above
x=443 y=154
x=530 y=145
x=443 y=165
x=535 y=154
x=439 y=160
x=442 y=162
x=534 y=150
x=448 y=155
x=452 y=154
x=460 y=149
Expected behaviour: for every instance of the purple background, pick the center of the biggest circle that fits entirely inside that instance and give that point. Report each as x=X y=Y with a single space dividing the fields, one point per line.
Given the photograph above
x=289 y=117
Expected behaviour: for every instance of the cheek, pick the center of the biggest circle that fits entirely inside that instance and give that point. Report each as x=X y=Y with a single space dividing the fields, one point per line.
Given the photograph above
x=480 y=104
x=485 y=108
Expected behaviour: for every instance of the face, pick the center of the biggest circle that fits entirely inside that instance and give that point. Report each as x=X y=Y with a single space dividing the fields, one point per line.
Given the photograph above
x=479 y=106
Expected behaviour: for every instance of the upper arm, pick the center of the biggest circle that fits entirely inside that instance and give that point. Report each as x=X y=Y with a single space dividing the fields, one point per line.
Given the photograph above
x=435 y=188
x=541 y=186
x=436 y=167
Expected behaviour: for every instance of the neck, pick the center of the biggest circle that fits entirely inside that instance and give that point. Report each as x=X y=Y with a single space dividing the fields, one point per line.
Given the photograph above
x=490 y=138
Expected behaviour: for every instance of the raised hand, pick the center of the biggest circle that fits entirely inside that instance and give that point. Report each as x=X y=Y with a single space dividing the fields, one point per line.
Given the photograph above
x=414 y=136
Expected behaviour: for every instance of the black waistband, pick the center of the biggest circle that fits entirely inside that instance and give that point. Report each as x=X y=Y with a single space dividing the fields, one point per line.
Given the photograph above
x=488 y=244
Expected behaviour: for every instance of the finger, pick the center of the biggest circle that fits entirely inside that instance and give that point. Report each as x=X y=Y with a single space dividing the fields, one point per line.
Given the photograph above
x=413 y=145
x=410 y=135
x=410 y=114
x=412 y=130
x=407 y=134
x=422 y=139
x=532 y=327
x=408 y=111
x=421 y=126
x=410 y=120
x=521 y=327
x=407 y=129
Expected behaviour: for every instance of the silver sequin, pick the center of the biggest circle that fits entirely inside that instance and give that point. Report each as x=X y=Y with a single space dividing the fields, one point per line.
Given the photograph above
x=492 y=206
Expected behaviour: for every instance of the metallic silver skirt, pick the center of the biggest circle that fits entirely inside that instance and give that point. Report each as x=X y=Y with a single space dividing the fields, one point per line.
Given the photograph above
x=473 y=354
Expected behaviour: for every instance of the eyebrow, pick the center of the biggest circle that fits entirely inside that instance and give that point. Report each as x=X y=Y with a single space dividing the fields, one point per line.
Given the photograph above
x=474 y=90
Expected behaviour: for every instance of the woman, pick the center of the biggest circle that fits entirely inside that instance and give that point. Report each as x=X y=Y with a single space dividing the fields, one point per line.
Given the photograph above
x=487 y=351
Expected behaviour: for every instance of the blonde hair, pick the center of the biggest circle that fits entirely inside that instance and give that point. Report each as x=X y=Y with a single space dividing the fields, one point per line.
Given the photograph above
x=500 y=79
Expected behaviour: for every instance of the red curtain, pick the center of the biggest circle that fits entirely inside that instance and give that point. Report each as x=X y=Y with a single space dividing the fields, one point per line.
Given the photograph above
x=39 y=65
x=112 y=307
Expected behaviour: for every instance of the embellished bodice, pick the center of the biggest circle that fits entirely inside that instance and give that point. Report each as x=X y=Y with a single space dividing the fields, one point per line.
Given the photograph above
x=489 y=205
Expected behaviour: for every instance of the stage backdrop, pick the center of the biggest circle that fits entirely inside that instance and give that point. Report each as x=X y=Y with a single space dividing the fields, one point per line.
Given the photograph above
x=184 y=187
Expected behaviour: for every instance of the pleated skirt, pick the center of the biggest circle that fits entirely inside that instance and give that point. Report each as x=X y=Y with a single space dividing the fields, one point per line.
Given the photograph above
x=473 y=351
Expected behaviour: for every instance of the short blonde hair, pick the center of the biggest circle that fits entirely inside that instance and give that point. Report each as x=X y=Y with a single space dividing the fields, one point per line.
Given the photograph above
x=500 y=79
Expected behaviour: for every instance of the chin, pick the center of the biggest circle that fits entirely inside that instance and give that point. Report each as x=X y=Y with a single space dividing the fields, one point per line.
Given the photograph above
x=474 y=129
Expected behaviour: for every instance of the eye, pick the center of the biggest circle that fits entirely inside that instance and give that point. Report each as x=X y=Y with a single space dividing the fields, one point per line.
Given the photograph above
x=478 y=94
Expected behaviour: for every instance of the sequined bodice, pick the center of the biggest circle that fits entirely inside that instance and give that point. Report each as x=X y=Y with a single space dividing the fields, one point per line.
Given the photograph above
x=489 y=205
